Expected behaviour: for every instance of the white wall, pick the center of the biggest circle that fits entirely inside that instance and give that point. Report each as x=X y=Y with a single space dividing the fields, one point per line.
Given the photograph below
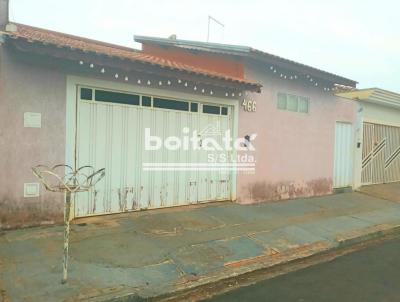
x=377 y=114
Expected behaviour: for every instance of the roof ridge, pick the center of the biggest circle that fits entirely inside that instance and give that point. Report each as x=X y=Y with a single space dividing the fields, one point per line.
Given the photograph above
x=193 y=42
x=75 y=37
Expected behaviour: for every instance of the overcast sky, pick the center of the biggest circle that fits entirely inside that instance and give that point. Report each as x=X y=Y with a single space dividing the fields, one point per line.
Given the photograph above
x=358 y=39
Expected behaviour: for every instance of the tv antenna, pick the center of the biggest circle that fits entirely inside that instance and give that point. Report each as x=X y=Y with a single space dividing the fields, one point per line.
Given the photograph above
x=210 y=18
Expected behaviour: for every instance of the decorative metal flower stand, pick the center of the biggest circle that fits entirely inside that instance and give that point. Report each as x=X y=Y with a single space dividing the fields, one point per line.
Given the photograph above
x=63 y=178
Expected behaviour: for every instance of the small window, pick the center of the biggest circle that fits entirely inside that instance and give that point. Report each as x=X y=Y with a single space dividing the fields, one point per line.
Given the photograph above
x=224 y=110
x=146 y=101
x=86 y=94
x=194 y=107
x=282 y=101
x=211 y=109
x=170 y=104
x=303 y=105
x=116 y=97
x=292 y=103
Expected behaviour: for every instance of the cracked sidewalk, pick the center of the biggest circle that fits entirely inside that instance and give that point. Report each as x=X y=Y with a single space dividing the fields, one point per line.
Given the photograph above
x=153 y=253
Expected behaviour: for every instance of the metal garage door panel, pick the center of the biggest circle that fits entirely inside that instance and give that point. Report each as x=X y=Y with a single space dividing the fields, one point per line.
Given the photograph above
x=192 y=157
x=90 y=124
x=214 y=184
x=146 y=176
x=97 y=200
x=368 y=146
x=85 y=124
x=392 y=154
x=133 y=188
x=158 y=186
x=117 y=167
x=378 y=156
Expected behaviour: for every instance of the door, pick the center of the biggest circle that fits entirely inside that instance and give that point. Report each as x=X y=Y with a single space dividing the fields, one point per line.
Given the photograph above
x=111 y=135
x=344 y=152
x=381 y=154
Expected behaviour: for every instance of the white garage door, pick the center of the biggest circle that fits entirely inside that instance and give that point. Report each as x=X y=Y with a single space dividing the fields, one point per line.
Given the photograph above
x=111 y=134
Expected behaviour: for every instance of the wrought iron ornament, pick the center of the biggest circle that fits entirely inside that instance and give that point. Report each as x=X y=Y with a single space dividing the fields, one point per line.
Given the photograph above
x=64 y=179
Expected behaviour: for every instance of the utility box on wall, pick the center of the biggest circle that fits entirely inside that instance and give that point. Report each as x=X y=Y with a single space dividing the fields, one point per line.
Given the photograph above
x=31 y=189
x=32 y=120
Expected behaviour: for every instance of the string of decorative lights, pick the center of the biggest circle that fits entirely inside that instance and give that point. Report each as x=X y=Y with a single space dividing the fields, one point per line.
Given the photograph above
x=305 y=77
x=274 y=70
x=139 y=81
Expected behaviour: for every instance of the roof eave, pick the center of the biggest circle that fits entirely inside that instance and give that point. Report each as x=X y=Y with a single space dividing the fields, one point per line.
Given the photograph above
x=246 y=51
x=229 y=83
x=375 y=96
x=302 y=68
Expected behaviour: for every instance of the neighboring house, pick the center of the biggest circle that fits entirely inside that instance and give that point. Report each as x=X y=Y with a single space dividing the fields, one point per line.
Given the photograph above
x=377 y=158
x=63 y=95
x=305 y=133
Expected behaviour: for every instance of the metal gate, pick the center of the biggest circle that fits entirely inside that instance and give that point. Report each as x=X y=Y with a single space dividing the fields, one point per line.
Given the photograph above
x=380 y=154
x=343 y=163
x=111 y=135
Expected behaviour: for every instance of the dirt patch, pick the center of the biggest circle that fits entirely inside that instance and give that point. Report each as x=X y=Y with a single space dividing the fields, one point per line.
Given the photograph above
x=390 y=191
x=263 y=191
x=30 y=213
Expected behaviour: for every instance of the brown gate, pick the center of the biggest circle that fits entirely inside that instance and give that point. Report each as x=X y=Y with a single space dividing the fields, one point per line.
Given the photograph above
x=380 y=154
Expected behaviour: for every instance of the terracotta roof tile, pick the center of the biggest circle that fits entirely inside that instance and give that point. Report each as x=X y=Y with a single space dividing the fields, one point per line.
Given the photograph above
x=45 y=36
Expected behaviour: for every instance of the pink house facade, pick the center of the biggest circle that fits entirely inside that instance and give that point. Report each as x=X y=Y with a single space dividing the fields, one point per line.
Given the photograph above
x=70 y=100
x=294 y=147
x=294 y=150
x=75 y=101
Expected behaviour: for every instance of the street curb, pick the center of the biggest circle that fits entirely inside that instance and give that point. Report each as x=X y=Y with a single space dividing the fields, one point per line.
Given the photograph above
x=274 y=265
x=367 y=234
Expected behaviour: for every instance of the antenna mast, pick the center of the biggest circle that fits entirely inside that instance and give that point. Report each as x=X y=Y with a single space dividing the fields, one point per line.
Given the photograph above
x=210 y=18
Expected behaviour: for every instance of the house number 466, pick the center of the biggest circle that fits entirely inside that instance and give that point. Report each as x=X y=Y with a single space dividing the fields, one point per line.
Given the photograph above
x=249 y=106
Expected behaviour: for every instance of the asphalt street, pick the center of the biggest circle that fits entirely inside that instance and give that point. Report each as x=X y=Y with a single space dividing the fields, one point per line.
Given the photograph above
x=369 y=275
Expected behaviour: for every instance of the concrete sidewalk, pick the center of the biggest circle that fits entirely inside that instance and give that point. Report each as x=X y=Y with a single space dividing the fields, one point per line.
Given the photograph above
x=389 y=191
x=154 y=253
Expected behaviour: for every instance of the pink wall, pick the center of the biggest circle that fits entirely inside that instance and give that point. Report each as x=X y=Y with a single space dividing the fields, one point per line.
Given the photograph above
x=28 y=88
x=294 y=151
x=30 y=83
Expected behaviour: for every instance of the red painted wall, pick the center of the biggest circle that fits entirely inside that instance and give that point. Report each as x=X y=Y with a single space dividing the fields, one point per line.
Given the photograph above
x=213 y=62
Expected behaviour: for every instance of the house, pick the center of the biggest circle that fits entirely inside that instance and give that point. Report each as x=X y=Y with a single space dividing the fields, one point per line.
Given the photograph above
x=377 y=156
x=176 y=123
x=68 y=99
x=305 y=132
